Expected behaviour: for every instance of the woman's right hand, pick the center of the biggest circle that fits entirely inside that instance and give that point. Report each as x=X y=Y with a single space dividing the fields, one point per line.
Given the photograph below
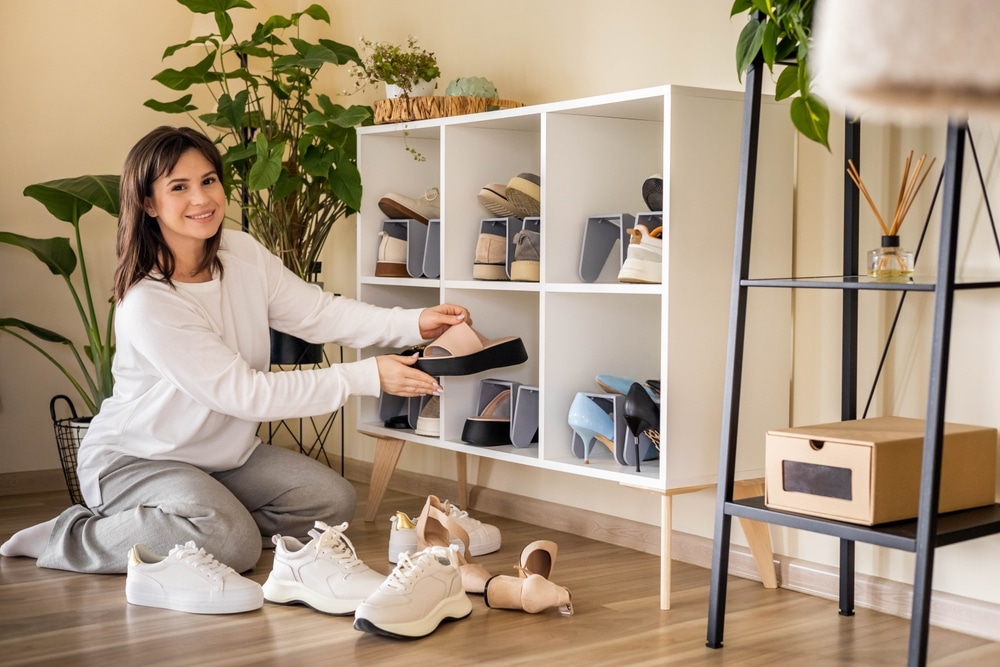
x=398 y=377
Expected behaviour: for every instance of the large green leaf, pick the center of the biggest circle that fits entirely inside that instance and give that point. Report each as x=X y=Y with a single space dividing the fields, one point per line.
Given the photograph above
x=213 y=6
x=748 y=45
x=788 y=83
x=265 y=171
x=187 y=77
x=55 y=253
x=314 y=12
x=345 y=181
x=812 y=118
x=69 y=198
x=47 y=335
x=180 y=105
x=345 y=54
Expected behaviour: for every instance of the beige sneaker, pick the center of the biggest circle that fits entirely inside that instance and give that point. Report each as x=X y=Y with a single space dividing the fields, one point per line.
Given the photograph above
x=491 y=258
x=525 y=194
x=391 y=257
x=422 y=209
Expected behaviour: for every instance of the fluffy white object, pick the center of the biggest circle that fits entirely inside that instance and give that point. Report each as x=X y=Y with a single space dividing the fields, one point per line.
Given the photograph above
x=908 y=58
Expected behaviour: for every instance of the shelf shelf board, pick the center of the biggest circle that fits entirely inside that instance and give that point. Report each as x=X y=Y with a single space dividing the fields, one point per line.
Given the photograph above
x=599 y=467
x=433 y=283
x=953 y=527
x=918 y=283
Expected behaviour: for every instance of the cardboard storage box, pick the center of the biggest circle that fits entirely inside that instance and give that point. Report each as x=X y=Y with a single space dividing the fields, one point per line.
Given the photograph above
x=867 y=471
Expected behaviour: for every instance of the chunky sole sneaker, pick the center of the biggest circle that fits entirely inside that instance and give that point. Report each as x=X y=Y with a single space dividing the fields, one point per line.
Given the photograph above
x=652 y=192
x=325 y=574
x=422 y=209
x=429 y=419
x=644 y=261
x=391 y=257
x=524 y=194
x=424 y=590
x=493 y=197
x=188 y=580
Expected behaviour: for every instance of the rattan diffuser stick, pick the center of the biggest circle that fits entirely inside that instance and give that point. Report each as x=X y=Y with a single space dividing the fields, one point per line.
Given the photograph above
x=890 y=262
x=908 y=188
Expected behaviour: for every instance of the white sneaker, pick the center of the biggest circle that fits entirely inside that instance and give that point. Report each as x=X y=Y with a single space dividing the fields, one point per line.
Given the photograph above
x=644 y=261
x=325 y=574
x=188 y=579
x=422 y=591
x=484 y=538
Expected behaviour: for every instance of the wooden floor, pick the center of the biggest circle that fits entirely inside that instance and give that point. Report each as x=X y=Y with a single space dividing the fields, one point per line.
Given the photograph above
x=49 y=617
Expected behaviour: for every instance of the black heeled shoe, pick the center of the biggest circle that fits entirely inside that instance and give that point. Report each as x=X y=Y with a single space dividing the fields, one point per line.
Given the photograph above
x=642 y=414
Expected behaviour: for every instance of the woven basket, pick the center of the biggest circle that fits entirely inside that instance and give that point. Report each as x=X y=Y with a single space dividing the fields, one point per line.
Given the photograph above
x=404 y=109
x=69 y=434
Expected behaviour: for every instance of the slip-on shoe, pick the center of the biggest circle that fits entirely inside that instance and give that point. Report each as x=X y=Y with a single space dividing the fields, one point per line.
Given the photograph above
x=461 y=350
x=492 y=426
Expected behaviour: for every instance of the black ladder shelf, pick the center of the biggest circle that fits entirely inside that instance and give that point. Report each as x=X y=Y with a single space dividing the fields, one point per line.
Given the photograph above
x=930 y=530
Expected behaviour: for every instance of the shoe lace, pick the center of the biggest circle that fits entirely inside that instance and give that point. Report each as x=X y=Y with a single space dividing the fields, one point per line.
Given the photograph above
x=197 y=558
x=462 y=516
x=432 y=194
x=409 y=567
x=334 y=545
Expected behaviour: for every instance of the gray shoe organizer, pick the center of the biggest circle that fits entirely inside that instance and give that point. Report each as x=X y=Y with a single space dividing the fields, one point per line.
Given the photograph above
x=423 y=245
x=508 y=229
x=601 y=234
x=523 y=408
x=390 y=406
x=614 y=404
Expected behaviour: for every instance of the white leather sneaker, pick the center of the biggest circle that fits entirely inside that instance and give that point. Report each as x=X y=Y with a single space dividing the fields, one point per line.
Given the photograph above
x=325 y=574
x=644 y=261
x=484 y=538
x=422 y=591
x=188 y=579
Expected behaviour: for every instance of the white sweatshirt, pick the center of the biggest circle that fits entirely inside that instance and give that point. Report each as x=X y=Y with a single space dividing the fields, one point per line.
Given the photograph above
x=191 y=366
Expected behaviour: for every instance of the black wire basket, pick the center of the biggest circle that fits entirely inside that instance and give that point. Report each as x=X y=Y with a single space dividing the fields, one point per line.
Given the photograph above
x=69 y=434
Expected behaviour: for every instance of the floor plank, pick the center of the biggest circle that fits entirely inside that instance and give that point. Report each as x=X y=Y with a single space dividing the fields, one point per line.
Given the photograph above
x=49 y=616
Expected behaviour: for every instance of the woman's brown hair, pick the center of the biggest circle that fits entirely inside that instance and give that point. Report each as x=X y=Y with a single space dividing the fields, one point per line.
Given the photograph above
x=141 y=248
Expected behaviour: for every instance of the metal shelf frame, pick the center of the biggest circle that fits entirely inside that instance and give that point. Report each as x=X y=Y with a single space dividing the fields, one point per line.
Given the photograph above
x=930 y=530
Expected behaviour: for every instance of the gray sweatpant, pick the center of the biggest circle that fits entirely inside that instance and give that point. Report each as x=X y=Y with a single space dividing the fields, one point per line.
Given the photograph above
x=165 y=503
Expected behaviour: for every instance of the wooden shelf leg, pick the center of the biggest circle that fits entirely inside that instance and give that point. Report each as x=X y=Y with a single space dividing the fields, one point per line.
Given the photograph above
x=461 y=459
x=757 y=533
x=666 y=530
x=387 y=451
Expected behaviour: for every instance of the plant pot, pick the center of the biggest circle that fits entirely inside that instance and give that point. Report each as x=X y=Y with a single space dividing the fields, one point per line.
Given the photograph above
x=287 y=350
x=421 y=89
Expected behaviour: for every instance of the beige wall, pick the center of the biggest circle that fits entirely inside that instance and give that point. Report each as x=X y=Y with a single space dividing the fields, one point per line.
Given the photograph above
x=75 y=74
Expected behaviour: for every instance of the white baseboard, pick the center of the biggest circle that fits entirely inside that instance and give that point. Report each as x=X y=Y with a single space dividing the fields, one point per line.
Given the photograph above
x=952 y=612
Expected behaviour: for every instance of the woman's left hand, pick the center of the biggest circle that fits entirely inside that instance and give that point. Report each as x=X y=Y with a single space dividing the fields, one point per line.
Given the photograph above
x=435 y=320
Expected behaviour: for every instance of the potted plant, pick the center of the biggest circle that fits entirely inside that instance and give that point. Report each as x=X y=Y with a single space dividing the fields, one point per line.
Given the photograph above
x=405 y=70
x=290 y=152
x=780 y=30
x=68 y=200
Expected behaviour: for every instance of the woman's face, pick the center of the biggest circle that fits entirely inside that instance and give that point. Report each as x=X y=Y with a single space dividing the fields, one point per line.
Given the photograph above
x=188 y=202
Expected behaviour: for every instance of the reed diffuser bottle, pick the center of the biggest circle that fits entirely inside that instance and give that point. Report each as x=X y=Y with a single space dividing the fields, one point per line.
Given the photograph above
x=889 y=262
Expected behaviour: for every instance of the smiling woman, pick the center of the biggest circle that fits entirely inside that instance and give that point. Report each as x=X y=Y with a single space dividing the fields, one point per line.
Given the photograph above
x=189 y=204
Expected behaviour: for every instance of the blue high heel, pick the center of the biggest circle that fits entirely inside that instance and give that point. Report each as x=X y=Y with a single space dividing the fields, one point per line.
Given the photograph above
x=615 y=384
x=591 y=423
